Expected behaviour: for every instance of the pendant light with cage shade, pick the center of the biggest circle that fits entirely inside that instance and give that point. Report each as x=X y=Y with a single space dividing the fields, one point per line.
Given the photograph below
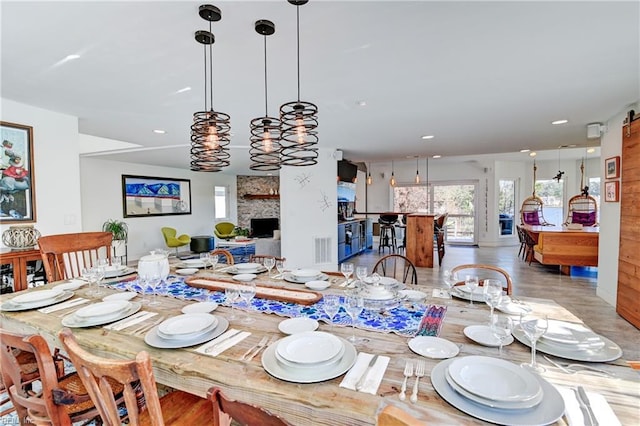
x=299 y=120
x=210 y=131
x=265 y=131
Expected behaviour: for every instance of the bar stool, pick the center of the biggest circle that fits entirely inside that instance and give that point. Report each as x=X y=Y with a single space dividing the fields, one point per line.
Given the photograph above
x=387 y=232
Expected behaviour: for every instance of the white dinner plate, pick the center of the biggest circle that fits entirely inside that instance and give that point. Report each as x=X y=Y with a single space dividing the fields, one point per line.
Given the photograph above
x=244 y=277
x=433 y=347
x=317 y=285
x=509 y=307
x=483 y=335
x=460 y=293
x=382 y=281
x=608 y=352
x=297 y=325
x=309 y=347
x=305 y=273
x=72 y=284
x=103 y=310
x=186 y=271
x=412 y=295
x=308 y=375
x=233 y=270
x=126 y=295
x=199 y=308
x=322 y=364
x=245 y=267
x=506 y=405
x=37 y=296
x=73 y=321
x=192 y=263
x=550 y=409
x=153 y=339
x=494 y=378
x=119 y=272
x=298 y=280
x=9 y=306
x=186 y=326
x=569 y=333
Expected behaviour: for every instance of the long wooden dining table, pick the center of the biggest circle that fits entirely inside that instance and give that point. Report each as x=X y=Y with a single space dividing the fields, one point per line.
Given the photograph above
x=326 y=403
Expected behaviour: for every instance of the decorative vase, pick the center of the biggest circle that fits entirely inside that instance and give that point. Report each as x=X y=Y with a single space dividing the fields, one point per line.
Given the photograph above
x=21 y=237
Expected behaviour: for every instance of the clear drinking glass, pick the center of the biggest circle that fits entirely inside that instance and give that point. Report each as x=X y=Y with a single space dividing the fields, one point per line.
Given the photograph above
x=347 y=269
x=89 y=276
x=361 y=273
x=449 y=281
x=280 y=268
x=492 y=291
x=214 y=261
x=116 y=262
x=471 y=282
x=269 y=263
x=354 y=306
x=143 y=282
x=100 y=271
x=247 y=293
x=153 y=280
x=501 y=327
x=533 y=326
x=231 y=295
x=205 y=258
x=331 y=306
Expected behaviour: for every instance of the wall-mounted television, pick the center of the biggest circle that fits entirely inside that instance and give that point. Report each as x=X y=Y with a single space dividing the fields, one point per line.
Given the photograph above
x=264 y=227
x=346 y=192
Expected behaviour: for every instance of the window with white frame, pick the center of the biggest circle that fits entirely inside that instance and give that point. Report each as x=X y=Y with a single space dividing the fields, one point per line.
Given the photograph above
x=221 y=202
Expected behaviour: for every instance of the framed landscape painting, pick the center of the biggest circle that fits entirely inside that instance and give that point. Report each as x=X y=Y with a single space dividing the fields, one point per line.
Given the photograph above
x=612 y=168
x=144 y=196
x=17 y=182
x=612 y=191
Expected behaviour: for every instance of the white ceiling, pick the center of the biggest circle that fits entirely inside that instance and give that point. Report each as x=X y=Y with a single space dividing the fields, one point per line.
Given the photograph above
x=483 y=77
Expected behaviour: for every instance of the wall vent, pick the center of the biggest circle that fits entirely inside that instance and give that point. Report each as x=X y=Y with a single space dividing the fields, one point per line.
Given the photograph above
x=322 y=250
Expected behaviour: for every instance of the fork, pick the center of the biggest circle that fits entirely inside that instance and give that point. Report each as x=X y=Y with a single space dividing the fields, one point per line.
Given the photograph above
x=571 y=368
x=147 y=327
x=272 y=340
x=408 y=372
x=259 y=345
x=420 y=371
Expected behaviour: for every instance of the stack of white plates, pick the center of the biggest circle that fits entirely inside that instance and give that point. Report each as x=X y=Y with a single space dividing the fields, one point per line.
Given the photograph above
x=186 y=330
x=308 y=357
x=117 y=271
x=36 y=299
x=497 y=391
x=573 y=341
x=192 y=263
x=246 y=268
x=304 y=275
x=464 y=292
x=101 y=313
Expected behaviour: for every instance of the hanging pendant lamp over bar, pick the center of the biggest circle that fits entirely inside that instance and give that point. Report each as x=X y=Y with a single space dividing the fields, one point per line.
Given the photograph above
x=299 y=120
x=210 y=131
x=392 y=181
x=369 y=178
x=417 y=180
x=265 y=131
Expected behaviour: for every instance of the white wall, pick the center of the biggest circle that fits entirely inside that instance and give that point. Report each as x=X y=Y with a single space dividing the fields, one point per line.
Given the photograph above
x=102 y=199
x=56 y=170
x=308 y=204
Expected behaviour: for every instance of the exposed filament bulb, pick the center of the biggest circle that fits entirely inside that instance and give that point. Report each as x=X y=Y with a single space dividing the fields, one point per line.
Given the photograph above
x=267 y=142
x=300 y=130
x=212 y=139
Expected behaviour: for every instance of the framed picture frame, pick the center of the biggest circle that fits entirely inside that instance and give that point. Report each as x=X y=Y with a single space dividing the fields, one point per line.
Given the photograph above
x=17 y=178
x=612 y=168
x=612 y=191
x=144 y=196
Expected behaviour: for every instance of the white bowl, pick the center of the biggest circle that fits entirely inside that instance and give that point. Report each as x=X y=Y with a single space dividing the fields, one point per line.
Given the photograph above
x=305 y=273
x=297 y=325
x=317 y=285
x=244 y=277
x=186 y=271
x=247 y=266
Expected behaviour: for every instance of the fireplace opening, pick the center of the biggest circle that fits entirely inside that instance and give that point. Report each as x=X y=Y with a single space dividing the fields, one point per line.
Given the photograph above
x=264 y=227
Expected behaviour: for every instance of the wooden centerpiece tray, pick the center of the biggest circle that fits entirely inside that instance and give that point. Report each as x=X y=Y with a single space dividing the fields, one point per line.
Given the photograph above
x=299 y=296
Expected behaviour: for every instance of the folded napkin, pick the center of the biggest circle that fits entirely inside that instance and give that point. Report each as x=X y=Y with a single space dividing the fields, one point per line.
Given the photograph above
x=132 y=320
x=601 y=408
x=432 y=321
x=373 y=377
x=63 y=305
x=223 y=342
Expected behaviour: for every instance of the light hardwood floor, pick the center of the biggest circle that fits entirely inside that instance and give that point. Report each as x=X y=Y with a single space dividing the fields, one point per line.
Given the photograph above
x=577 y=294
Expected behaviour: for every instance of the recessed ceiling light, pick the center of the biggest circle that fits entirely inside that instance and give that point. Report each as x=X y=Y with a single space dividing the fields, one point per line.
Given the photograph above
x=362 y=103
x=525 y=150
x=184 y=89
x=560 y=122
x=71 y=57
x=591 y=150
x=159 y=131
x=573 y=145
x=533 y=154
x=437 y=156
x=425 y=137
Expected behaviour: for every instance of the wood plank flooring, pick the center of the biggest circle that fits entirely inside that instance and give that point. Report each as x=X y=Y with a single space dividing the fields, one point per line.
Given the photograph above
x=575 y=293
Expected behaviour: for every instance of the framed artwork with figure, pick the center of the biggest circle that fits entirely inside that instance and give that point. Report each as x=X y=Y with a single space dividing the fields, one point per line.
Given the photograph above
x=17 y=182
x=612 y=191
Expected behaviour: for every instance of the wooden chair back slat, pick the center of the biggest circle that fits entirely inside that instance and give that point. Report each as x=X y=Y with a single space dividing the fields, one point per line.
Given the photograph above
x=507 y=284
x=65 y=255
x=396 y=266
x=222 y=252
x=395 y=416
x=241 y=412
x=259 y=258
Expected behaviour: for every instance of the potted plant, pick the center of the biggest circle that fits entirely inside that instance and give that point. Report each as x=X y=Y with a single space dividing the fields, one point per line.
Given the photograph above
x=120 y=232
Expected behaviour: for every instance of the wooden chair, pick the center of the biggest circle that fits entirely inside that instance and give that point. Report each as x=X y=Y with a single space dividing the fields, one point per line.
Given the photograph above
x=582 y=210
x=259 y=258
x=395 y=416
x=396 y=266
x=62 y=399
x=224 y=410
x=222 y=252
x=531 y=212
x=493 y=270
x=522 y=240
x=175 y=408
x=65 y=255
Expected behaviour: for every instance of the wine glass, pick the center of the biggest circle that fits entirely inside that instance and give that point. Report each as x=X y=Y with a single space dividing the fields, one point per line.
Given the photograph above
x=153 y=280
x=269 y=263
x=89 y=276
x=280 y=268
x=347 y=269
x=143 y=282
x=533 y=326
x=100 y=272
x=361 y=273
x=247 y=293
x=231 y=295
x=501 y=327
x=116 y=262
x=205 y=258
x=471 y=282
x=492 y=291
x=213 y=260
x=354 y=305
x=449 y=280
x=331 y=306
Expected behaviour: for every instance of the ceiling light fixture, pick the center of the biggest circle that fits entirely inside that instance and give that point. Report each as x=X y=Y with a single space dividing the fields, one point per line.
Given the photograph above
x=299 y=120
x=560 y=122
x=159 y=131
x=417 y=172
x=437 y=156
x=184 y=89
x=591 y=150
x=525 y=150
x=265 y=131
x=210 y=136
x=426 y=137
x=533 y=154
x=392 y=181
x=369 y=178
